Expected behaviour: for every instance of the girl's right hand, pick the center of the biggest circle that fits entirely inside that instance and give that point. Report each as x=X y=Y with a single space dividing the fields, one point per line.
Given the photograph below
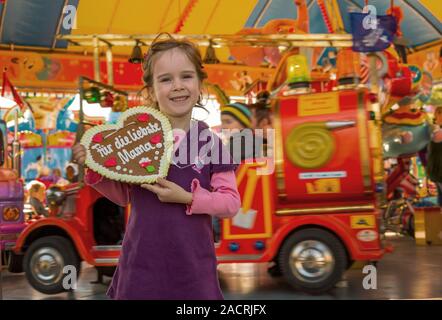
x=79 y=154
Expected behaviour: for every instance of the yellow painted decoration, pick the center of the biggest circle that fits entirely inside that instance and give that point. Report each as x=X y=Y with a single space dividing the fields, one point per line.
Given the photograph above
x=61 y=139
x=267 y=206
x=394 y=119
x=428 y=226
x=250 y=190
x=364 y=144
x=324 y=186
x=362 y=222
x=30 y=139
x=318 y=104
x=310 y=145
x=338 y=24
x=244 y=168
x=250 y=171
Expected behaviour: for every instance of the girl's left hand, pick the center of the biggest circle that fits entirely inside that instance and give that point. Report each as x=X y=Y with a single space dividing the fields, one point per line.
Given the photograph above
x=168 y=191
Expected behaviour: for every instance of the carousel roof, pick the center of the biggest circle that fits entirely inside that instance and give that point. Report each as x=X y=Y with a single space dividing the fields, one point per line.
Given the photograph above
x=39 y=23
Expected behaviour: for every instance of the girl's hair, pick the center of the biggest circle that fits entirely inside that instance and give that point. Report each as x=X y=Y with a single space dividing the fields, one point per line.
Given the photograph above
x=159 y=46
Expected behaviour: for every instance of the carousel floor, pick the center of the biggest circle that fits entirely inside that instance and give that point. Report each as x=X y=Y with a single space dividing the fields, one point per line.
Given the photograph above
x=410 y=272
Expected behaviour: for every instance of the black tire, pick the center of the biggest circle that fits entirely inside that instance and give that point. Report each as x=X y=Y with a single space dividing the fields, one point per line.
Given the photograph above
x=326 y=260
x=275 y=270
x=15 y=264
x=54 y=250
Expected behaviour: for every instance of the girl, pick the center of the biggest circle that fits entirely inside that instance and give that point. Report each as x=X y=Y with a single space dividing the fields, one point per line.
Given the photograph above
x=168 y=250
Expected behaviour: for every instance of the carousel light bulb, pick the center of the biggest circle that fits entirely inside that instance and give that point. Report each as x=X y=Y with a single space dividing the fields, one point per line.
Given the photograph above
x=136 y=56
x=297 y=69
x=210 y=57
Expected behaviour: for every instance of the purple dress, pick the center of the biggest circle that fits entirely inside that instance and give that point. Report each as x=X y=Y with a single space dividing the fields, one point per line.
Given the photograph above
x=167 y=254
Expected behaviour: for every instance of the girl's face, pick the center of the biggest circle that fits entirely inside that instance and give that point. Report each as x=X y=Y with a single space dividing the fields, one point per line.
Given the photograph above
x=176 y=86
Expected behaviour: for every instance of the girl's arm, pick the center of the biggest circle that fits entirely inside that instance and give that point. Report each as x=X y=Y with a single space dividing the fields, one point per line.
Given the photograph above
x=115 y=191
x=224 y=201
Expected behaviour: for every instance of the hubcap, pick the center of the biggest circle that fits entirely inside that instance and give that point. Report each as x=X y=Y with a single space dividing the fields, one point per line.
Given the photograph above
x=47 y=266
x=311 y=261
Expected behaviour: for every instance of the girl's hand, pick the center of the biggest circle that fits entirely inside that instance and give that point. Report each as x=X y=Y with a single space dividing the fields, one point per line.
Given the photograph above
x=167 y=191
x=79 y=154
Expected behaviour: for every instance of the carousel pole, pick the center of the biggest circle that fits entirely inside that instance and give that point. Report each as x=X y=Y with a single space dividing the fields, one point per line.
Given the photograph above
x=96 y=59
x=16 y=158
x=376 y=130
x=375 y=127
x=110 y=66
x=80 y=129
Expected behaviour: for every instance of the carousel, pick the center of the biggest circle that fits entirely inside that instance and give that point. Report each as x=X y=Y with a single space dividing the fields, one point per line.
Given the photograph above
x=352 y=154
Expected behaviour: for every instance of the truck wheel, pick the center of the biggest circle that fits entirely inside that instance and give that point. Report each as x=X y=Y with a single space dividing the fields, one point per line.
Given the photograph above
x=313 y=260
x=44 y=263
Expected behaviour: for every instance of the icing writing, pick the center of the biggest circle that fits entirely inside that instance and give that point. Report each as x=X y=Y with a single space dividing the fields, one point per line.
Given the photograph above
x=103 y=150
x=135 y=135
x=125 y=156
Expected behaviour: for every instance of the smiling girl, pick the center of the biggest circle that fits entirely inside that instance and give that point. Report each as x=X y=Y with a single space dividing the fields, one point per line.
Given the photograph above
x=168 y=250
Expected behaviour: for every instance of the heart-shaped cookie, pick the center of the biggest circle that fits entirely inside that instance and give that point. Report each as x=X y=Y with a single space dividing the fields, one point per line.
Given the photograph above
x=137 y=149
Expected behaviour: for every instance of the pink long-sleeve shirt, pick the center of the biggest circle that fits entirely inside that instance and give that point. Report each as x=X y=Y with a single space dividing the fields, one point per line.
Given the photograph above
x=223 y=200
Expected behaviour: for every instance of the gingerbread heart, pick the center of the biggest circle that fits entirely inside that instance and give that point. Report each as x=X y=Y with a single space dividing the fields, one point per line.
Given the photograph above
x=137 y=149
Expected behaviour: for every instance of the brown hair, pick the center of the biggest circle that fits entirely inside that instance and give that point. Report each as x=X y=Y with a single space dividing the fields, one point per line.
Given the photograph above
x=158 y=46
